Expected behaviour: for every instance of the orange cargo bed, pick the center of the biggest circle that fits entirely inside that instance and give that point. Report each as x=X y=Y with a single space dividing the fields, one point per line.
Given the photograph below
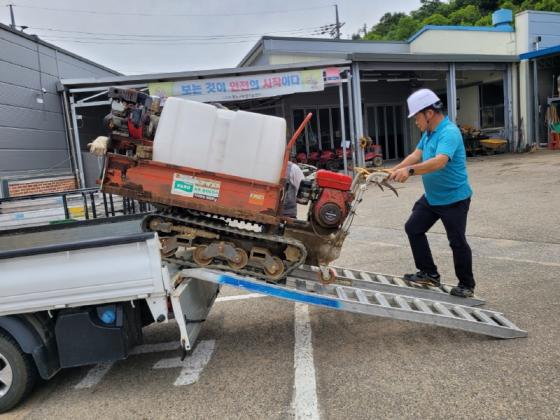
x=226 y=195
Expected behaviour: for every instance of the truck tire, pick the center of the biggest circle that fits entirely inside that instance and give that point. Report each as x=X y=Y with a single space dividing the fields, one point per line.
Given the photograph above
x=17 y=373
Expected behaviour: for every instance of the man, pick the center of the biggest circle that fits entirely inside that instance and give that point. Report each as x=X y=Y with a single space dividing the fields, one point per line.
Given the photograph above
x=441 y=160
x=294 y=176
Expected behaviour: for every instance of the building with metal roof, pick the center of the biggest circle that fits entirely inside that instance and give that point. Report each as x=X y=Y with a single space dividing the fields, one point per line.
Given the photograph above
x=491 y=78
x=481 y=72
x=33 y=133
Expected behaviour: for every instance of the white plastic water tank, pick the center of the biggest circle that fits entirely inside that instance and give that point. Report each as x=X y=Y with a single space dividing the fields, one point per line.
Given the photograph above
x=201 y=136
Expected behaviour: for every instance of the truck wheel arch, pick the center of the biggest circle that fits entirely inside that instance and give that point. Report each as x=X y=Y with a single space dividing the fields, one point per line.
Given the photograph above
x=18 y=372
x=31 y=342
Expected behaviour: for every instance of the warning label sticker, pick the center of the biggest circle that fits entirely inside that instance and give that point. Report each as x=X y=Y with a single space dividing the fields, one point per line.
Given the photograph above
x=190 y=186
x=256 y=199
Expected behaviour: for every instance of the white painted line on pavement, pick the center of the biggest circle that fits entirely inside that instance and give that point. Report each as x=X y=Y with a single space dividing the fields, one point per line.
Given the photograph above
x=239 y=297
x=192 y=365
x=98 y=372
x=305 y=390
x=155 y=348
x=94 y=375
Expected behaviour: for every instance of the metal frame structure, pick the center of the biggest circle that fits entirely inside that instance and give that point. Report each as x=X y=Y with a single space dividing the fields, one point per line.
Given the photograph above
x=392 y=105
x=74 y=89
x=353 y=140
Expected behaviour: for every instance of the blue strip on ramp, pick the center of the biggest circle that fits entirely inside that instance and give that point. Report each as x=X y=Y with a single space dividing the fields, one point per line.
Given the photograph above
x=276 y=291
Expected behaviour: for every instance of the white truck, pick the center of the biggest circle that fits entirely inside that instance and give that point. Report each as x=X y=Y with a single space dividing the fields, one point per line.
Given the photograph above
x=80 y=293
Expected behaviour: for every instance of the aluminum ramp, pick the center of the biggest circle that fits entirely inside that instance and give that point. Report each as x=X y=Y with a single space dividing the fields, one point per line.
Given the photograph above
x=386 y=283
x=370 y=302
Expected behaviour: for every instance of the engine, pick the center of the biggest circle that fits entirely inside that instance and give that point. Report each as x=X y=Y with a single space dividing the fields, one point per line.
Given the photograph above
x=133 y=114
x=330 y=198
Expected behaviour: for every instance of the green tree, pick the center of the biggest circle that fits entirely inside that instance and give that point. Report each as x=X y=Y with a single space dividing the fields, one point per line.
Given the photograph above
x=484 y=21
x=468 y=15
x=508 y=4
x=429 y=8
x=405 y=28
x=387 y=22
x=548 y=5
x=400 y=26
x=436 y=19
x=488 y=6
x=372 y=36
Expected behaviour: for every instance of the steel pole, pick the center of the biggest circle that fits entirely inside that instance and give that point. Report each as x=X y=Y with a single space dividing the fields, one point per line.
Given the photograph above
x=343 y=126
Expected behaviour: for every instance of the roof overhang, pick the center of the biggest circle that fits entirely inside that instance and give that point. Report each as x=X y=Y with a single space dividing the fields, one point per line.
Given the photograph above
x=202 y=74
x=504 y=28
x=434 y=58
x=545 y=52
x=252 y=54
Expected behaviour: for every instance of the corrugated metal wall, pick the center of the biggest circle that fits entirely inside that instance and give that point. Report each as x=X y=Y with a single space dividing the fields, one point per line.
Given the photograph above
x=32 y=134
x=547 y=26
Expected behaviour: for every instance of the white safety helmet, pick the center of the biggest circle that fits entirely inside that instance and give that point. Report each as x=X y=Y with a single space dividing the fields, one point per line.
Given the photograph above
x=419 y=100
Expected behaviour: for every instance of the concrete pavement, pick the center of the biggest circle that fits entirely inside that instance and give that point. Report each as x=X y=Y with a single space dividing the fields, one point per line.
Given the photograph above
x=366 y=367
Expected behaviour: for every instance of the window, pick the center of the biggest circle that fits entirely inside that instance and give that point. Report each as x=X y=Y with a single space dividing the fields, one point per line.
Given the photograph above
x=323 y=131
x=492 y=105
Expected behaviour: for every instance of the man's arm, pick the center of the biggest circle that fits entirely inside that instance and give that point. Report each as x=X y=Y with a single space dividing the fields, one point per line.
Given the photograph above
x=411 y=159
x=431 y=165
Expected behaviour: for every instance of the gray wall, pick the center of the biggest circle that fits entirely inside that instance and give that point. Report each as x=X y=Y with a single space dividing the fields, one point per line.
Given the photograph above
x=331 y=48
x=547 y=26
x=32 y=134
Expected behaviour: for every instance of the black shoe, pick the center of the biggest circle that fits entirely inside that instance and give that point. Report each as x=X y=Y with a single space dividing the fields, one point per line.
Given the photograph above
x=462 y=291
x=424 y=278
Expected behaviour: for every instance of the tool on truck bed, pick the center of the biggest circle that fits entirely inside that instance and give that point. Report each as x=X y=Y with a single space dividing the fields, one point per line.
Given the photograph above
x=217 y=178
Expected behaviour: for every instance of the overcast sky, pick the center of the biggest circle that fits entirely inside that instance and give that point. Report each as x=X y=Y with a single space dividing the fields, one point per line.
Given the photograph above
x=152 y=36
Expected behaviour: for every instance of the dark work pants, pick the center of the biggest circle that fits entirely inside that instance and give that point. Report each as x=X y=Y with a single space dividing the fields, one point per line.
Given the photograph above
x=454 y=219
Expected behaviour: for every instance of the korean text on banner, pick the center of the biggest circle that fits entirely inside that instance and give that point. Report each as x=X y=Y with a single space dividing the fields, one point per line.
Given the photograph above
x=242 y=87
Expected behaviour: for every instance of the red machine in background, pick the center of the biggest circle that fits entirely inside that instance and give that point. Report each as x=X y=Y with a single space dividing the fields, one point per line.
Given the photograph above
x=334 y=160
x=373 y=156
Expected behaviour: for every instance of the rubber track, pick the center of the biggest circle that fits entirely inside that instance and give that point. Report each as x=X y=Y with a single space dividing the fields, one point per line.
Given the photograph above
x=231 y=232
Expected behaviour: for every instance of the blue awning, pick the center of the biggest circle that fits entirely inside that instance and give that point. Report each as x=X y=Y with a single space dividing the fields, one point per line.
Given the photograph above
x=540 y=53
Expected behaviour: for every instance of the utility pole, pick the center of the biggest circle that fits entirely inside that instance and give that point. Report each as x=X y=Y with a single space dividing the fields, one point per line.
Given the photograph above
x=13 y=25
x=365 y=29
x=337 y=22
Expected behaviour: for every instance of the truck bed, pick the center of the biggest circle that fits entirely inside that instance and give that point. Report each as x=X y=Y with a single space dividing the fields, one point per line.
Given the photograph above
x=80 y=263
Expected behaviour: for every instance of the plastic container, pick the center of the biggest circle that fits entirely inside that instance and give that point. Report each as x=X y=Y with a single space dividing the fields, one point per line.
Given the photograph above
x=201 y=136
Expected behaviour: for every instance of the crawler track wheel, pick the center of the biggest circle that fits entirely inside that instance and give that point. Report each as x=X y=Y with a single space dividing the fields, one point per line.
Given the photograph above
x=240 y=260
x=199 y=258
x=275 y=270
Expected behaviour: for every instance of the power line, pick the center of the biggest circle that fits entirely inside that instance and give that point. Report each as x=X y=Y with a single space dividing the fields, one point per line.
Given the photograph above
x=161 y=41
x=155 y=41
x=114 y=13
x=158 y=36
x=141 y=42
x=332 y=29
x=105 y=41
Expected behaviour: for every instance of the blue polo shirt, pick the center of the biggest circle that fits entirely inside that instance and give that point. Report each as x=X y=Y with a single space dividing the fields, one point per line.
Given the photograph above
x=451 y=183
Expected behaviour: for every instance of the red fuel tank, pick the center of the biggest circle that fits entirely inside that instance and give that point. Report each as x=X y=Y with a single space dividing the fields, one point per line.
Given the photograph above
x=328 y=179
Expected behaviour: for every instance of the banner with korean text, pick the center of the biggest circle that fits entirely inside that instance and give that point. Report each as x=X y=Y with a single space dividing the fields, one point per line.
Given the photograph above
x=241 y=88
